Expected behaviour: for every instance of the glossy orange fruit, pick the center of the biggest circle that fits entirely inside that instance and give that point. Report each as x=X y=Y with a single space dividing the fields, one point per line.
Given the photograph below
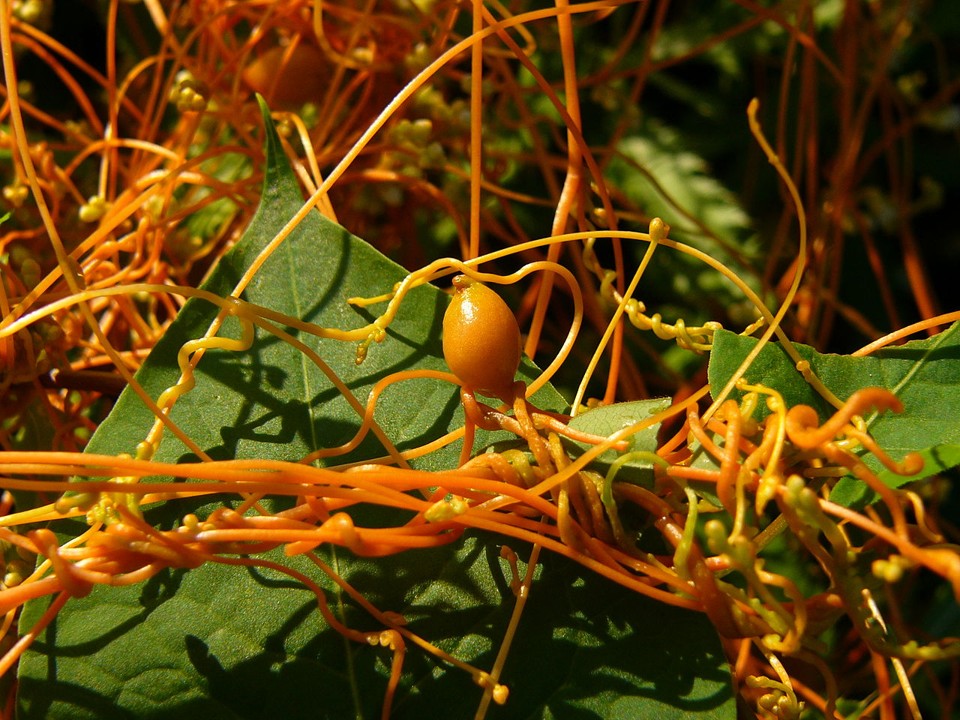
x=481 y=339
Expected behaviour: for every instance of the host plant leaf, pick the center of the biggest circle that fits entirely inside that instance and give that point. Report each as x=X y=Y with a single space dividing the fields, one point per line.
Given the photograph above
x=924 y=374
x=608 y=419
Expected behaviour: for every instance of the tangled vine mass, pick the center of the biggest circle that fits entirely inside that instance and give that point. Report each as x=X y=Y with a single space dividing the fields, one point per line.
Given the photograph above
x=533 y=158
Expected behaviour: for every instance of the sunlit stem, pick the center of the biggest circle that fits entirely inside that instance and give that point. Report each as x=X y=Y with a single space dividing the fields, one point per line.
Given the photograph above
x=658 y=231
x=522 y=594
x=571 y=183
x=476 y=128
x=799 y=266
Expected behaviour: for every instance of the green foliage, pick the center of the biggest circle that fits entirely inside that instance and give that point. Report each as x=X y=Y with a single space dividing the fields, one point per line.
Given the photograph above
x=608 y=419
x=662 y=176
x=674 y=182
x=229 y=642
x=924 y=374
x=213 y=217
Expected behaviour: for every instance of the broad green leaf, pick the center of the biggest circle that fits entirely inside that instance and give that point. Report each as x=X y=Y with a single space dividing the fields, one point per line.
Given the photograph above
x=924 y=374
x=608 y=419
x=222 y=641
x=936 y=459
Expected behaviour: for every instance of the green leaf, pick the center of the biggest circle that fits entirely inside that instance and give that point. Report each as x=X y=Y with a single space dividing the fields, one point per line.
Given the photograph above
x=852 y=493
x=608 y=419
x=924 y=374
x=222 y=641
x=675 y=177
x=212 y=218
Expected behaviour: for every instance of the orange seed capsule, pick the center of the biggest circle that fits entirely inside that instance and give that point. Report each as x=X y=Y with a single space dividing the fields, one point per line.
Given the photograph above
x=289 y=80
x=481 y=339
